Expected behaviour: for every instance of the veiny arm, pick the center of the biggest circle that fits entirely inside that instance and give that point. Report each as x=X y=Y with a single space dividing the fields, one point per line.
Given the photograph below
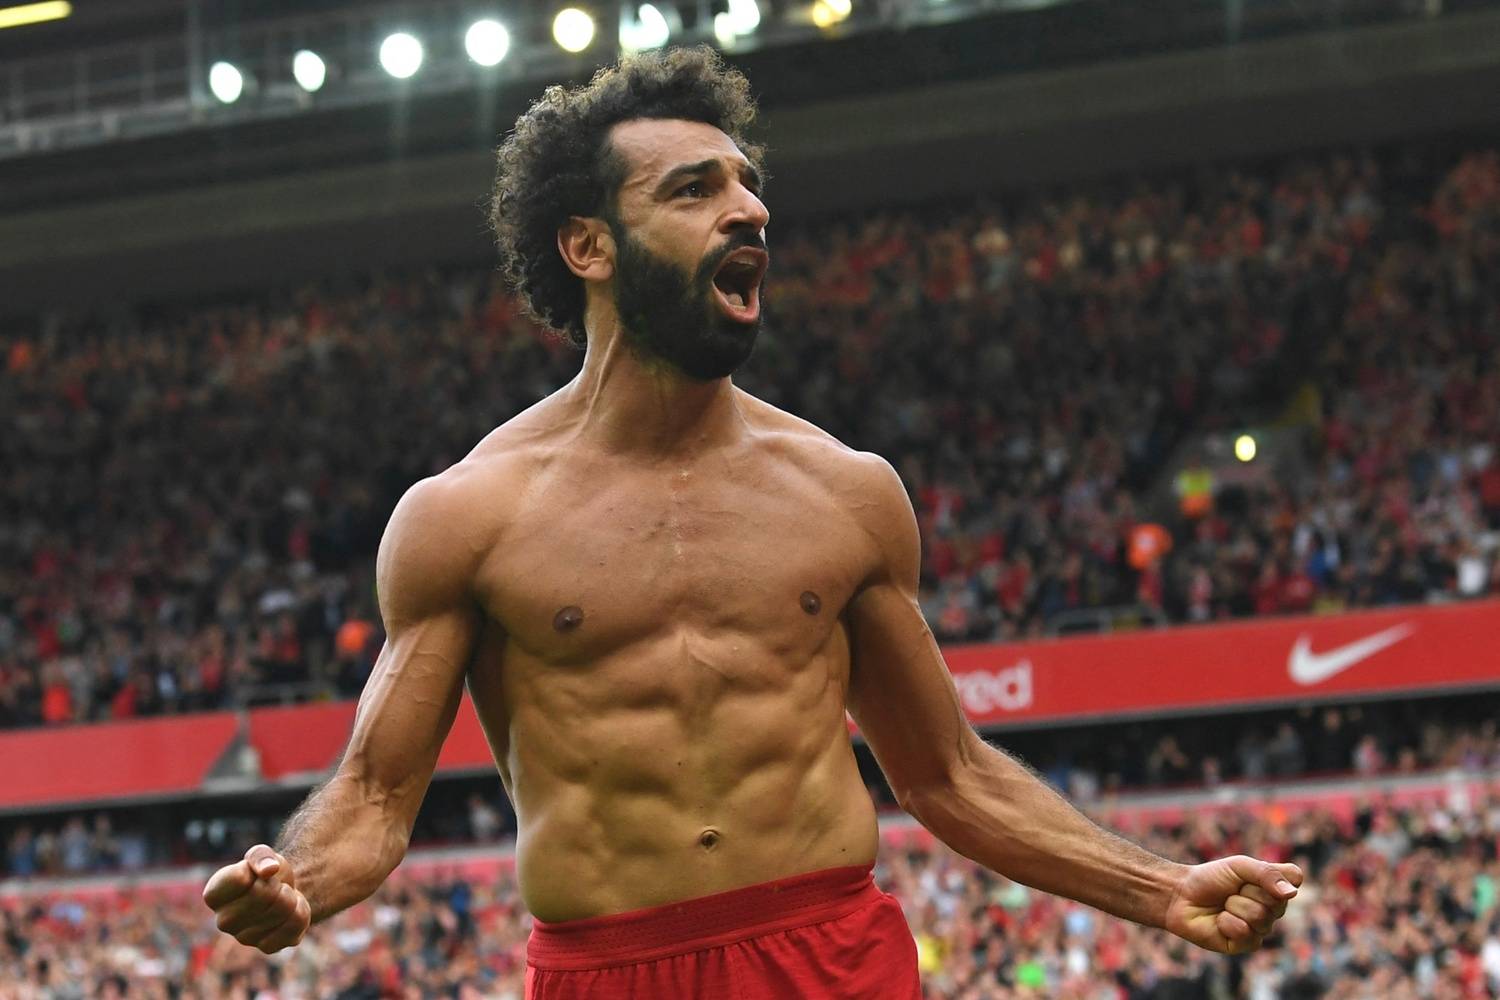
x=992 y=809
x=351 y=833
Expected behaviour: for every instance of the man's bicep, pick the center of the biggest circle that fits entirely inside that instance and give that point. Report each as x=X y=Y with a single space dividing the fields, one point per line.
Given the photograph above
x=424 y=574
x=901 y=694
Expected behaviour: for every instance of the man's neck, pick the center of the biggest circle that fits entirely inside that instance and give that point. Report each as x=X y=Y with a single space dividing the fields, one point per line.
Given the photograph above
x=630 y=406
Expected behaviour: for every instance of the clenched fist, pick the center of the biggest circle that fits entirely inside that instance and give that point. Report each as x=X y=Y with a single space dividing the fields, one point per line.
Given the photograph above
x=1231 y=904
x=256 y=900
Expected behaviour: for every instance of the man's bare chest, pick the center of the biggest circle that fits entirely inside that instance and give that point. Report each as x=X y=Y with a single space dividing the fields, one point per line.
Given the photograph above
x=588 y=568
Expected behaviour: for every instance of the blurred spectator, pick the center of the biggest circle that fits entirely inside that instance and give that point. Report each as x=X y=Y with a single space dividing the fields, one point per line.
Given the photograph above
x=1399 y=904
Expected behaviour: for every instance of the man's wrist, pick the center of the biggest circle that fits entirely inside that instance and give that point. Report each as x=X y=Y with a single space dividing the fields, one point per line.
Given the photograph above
x=1170 y=879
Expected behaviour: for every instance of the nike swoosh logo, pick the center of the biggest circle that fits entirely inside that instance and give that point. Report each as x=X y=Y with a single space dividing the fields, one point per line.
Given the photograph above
x=1307 y=667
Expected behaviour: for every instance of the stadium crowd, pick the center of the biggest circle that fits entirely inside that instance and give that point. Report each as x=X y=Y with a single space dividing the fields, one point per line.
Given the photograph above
x=1400 y=904
x=194 y=495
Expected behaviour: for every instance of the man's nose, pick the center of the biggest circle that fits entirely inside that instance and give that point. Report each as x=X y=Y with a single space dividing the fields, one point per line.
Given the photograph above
x=748 y=211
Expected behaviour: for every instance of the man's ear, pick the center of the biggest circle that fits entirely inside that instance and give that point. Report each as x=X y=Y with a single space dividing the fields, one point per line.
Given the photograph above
x=588 y=247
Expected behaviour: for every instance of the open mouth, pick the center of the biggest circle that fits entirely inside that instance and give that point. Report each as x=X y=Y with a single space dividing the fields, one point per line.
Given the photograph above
x=737 y=283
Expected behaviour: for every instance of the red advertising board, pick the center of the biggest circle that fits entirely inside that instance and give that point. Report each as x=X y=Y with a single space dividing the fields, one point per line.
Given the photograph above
x=297 y=739
x=1190 y=668
x=111 y=759
x=1274 y=660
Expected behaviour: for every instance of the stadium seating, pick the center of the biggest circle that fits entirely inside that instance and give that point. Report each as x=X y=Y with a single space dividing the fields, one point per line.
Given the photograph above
x=1083 y=333
x=1400 y=905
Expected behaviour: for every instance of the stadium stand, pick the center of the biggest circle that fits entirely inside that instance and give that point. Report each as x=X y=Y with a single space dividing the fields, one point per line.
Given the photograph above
x=1402 y=905
x=194 y=494
x=194 y=490
x=1190 y=303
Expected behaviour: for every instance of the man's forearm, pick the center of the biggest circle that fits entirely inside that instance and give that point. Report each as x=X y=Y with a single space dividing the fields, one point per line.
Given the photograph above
x=342 y=843
x=1004 y=817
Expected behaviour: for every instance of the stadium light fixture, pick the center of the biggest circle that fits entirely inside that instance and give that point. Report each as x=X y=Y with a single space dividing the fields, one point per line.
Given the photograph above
x=226 y=82
x=34 y=13
x=487 y=42
x=1244 y=448
x=309 y=70
x=649 y=29
x=401 y=55
x=827 y=13
x=724 y=28
x=573 y=29
x=744 y=16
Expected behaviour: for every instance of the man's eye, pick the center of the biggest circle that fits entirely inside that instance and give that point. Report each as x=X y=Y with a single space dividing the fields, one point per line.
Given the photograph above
x=693 y=190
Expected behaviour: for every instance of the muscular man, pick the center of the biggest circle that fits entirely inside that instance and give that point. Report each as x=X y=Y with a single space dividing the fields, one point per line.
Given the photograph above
x=663 y=594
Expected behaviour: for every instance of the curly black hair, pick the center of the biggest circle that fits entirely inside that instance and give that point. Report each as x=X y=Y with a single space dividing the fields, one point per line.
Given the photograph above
x=557 y=163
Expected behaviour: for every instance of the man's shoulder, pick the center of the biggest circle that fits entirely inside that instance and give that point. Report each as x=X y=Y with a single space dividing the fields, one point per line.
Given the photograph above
x=435 y=523
x=844 y=469
x=506 y=457
x=444 y=526
x=464 y=506
x=863 y=484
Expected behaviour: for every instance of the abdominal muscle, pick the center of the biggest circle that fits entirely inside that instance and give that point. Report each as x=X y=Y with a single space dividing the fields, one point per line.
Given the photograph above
x=624 y=806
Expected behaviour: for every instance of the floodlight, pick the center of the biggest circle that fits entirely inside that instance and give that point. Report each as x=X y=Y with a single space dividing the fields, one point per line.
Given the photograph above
x=724 y=28
x=226 y=82
x=487 y=42
x=400 y=55
x=649 y=29
x=309 y=70
x=34 y=13
x=573 y=29
x=826 y=13
x=744 y=16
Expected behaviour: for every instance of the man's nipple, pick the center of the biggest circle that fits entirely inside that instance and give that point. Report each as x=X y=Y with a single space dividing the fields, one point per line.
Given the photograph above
x=568 y=618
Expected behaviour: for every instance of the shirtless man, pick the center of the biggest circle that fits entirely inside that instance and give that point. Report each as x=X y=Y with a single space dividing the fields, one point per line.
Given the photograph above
x=663 y=594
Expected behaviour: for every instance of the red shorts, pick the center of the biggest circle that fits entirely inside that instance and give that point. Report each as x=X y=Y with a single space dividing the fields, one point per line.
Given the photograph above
x=829 y=933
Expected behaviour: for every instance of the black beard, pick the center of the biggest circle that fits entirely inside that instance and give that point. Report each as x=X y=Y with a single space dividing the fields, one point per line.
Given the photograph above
x=670 y=315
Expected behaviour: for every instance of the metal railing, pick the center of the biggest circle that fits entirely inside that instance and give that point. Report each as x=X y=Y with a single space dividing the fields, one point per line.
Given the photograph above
x=159 y=85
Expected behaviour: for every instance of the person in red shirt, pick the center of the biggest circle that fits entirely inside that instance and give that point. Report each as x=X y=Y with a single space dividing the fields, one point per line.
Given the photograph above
x=1297 y=591
x=57 y=696
x=1489 y=490
x=1267 y=591
x=123 y=704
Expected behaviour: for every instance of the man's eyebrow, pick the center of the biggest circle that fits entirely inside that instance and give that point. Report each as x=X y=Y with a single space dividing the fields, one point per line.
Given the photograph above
x=681 y=173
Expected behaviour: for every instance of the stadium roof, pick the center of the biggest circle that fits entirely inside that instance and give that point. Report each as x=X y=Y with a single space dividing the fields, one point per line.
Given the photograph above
x=886 y=117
